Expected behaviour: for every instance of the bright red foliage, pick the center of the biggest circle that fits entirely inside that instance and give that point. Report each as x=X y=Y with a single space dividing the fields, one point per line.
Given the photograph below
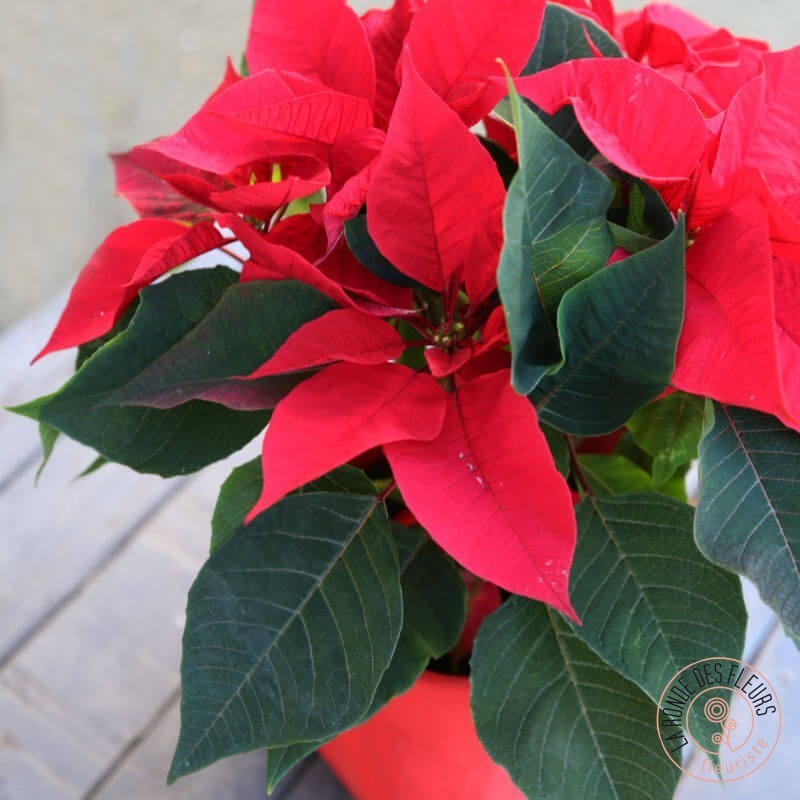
x=386 y=31
x=131 y=257
x=506 y=514
x=729 y=282
x=636 y=118
x=322 y=40
x=459 y=66
x=371 y=405
x=709 y=63
x=372 y=115
x=423 y=215
x=339 y=335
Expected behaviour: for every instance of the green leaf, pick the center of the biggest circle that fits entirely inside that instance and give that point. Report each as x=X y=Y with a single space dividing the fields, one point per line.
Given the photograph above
x=32 y=409
x=366 y=251
x=281 y=759
x=559 y=449
x=93 y=467
x=669 y=430
x=237 y=495
x=240 y=333
x=619 y=332
x=630 y=240
x=434 y=611
x=613 y=474
x=672 y=487
x=647 y=213
x=748 y=512
x=290 y=627
x=561 y=721
x=675 y=486
x=47 y=434
x=166 y=442
x=649 y=602
x=242 y=488
x=556 y=235
x=563 y=37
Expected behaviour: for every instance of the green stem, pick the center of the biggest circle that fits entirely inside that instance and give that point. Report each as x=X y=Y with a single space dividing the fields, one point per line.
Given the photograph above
x=576 y=467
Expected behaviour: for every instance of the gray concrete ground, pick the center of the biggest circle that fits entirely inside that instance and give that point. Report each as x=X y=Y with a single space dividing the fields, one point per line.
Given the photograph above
x=84 y=77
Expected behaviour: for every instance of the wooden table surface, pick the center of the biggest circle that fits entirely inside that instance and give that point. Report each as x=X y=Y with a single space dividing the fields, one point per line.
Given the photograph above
x=93 y=582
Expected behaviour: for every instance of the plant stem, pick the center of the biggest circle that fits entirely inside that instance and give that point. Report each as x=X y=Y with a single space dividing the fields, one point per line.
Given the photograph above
x=387 y=490
x=231 y=254
x=279 y=215
x=576 y=467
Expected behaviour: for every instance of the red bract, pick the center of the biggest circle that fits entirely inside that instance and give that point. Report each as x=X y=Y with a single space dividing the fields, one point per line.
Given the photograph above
x=636 y=118
x=339 y=335
x=270 y=115
x=270 y=261
x=740 y=342
x=487 y=491
x=709 y=63
x=422 y=214
x=336 y=273
x=139 y=180
x=353 y=161
x=460 y=64
x=751 y=151
x=172 y=252
x=323 y=40
x=386 y=31
x=131 y=257
x=728 y=349
x=762 y=128
x=263 y=199
x=339 y=413
x=365 y=287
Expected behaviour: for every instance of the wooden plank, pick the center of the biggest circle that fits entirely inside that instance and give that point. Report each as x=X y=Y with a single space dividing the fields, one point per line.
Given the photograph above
x=87 y=686
x=105 y=665
x=144 y=772
x=31 y=744
x=241 y=777
x=57 y=534
x=27 y=779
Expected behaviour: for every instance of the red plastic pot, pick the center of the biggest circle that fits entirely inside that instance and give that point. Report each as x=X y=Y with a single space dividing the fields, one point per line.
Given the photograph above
x=421 y=746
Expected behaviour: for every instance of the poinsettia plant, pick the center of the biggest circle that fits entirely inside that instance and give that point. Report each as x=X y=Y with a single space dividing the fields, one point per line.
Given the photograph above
x=492 y=275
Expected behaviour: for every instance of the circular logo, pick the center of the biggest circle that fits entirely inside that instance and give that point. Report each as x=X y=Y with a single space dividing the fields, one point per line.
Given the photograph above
x=719 y=719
